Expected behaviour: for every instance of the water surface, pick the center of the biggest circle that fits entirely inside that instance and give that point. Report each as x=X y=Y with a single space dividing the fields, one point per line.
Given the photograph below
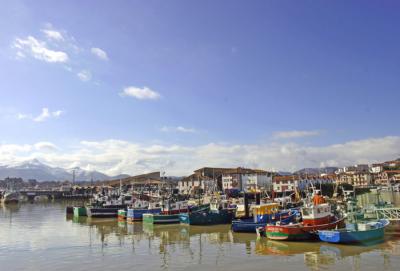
x=42 y=237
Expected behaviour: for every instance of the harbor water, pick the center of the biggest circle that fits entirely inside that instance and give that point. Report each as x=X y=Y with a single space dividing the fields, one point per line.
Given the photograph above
x=41 y=236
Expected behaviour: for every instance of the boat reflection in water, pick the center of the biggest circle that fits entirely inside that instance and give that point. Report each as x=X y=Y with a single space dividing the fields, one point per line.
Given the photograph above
x=196 y=241
x=319 y=255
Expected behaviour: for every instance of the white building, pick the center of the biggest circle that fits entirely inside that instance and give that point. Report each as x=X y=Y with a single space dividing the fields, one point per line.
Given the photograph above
x=375 y=169
x=246 y=179
x=194 y=182
x=221 y=179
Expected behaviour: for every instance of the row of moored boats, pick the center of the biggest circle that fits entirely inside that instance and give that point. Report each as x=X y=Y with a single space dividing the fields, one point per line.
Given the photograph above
x=315 y=219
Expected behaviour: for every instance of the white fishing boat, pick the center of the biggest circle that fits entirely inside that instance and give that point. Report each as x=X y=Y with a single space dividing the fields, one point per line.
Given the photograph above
x=10 y=197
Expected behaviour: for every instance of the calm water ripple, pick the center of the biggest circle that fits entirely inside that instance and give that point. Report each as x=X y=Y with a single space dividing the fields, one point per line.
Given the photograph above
x=42 y=237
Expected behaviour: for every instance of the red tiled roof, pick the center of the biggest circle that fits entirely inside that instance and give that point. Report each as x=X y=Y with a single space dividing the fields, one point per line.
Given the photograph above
x=392 y=171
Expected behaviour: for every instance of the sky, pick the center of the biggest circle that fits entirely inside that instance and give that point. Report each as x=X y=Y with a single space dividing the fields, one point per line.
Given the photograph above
x=139 y=86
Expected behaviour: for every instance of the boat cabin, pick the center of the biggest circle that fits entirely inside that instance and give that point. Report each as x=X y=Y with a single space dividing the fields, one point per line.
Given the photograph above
x=179 y=206
x=265 y=212
x=140 y=204
x=316 y=212
x=269 y=208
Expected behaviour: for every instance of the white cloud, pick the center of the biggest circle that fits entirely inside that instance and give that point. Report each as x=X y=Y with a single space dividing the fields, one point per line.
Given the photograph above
x=38 y=49
x=20 y=55
x=53 y=34
x=45 y=146
x=44 y=115
x=99 y=53
x=57 y=113
x=178 y=129
x=144 y=93
x=118 y=156
x=295 y=134
x=21 y=116
x=85 y=75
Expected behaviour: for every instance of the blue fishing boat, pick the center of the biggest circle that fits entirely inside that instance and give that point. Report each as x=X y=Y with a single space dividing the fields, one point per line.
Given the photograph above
x=246 y=225
x=363 y=233
x=263 y=215
x=136 y=214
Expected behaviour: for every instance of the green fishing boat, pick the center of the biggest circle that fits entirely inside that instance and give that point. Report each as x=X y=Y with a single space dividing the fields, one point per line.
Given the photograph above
x=80 y=211
x=122 y=214
x=161 y=219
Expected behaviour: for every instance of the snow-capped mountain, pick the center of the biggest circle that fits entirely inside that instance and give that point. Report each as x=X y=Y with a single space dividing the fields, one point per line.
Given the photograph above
x=34 y=169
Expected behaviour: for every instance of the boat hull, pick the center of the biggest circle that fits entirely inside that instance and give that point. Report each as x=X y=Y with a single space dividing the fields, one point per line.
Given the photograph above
x=79 y=211
x=174 y=212
x=121 y=214
x=248 y=225
x=137 y=214
x=11 y=198
x=105 y=211
x=208 y=217
x=354 y=236
x=299 y=231
x=161 y=219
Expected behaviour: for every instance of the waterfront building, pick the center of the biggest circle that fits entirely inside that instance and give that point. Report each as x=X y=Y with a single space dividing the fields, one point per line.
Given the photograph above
x=222 y=179
x=245 y=179
x=286 y=184
x=353 y=169
x=196 y=183
x=388 y=177
x=357 y=175
x=355 y=178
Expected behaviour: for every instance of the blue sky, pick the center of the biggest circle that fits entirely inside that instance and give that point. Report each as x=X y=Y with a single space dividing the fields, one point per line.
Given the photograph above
x=136 y=86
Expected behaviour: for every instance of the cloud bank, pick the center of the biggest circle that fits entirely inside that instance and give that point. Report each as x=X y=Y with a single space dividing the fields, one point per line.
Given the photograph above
x=117 y=156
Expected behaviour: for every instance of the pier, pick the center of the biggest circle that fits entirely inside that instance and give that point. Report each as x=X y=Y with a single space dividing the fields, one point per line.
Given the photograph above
x=53 y=194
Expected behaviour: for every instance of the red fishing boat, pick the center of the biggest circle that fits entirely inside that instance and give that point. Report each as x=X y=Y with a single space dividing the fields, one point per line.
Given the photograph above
x=315 y=218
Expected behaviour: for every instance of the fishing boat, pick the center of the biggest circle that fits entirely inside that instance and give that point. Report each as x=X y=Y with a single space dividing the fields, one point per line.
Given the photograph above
x=79 y=211
x=208 y=216
x=10 y=197
x=315 y=217
x=69 y=210
x=104 y=211
x=361 y=233
x=263 y=214
x=121 y=214
x=161 y=219
x=108 y=207
x=171 y=215
x=135 y=212
x=176 y=207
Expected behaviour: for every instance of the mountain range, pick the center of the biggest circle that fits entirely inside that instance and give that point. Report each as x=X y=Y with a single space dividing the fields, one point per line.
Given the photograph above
x=34 y=169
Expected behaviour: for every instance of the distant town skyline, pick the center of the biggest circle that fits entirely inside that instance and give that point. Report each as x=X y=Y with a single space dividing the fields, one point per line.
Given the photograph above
x=140 y=86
